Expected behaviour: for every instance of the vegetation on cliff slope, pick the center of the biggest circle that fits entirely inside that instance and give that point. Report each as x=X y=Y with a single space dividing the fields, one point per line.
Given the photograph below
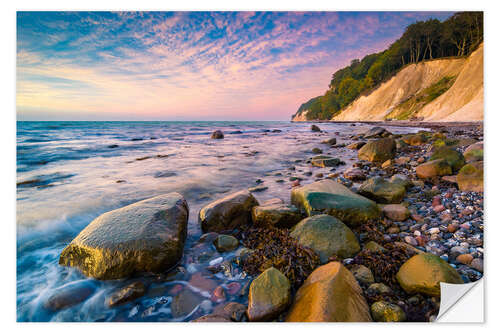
x=459 y=35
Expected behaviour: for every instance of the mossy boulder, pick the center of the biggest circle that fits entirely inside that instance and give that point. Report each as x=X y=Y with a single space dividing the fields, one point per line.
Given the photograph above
x=382 y=191
x=454 y=158
x=147 y=236
x=401 y=179
x=325 y=161
x=277 y=215
x=269 y=295
x=228 y=213
x=378 y=150
x=474 y=152
x=225 y=243
x=424 y=272
x=327 y=236
x=376 y=132
x=329 y=294
x=470 y=177
x=415 y=139
x=387 y=312
x=329 y=197
x=433 y=169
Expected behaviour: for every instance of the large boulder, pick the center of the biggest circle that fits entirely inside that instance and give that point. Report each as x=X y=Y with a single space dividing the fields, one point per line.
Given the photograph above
x=376 y=132
x=269 y=295
x=327 y=236
x=329 y=197
x=379 y=150
x=470 y=177
x=276 y=214
x=474 y=152
x=382 y=191
x=423 y=273
x=454 y=158
x=228 y=213
x=147 y=236
x=329 y=294
x=217 y=135
x=433 y=169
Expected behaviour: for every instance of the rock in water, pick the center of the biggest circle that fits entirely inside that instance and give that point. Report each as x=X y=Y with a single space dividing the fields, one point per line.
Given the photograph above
x=423 y=272
x=330 y=294
x=217 y=135
x=325 y=161
x=387 y=312
x=315 y=128
x=269 y=295
x=127 y=294
x=382 y=191
x=184 y=303
x=225 y=243
x=278 y=215
x=147 y=236
x=228 y=213
x=433 y=169
x=376 y=132
x=331 y=142
x=69 y=295
x=329 y=197
x=326 y=236
x=454 y=158
x=379 y=150
x=470 y=177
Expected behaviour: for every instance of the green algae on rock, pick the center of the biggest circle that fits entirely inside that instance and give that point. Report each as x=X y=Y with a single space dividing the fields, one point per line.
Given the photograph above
x=382 y=191
x=387 y=312
x=228 y=213
x=324 y=161
x=329 y=197
x=433 y=169
x=453 y=157
x=379 y=150
x=269 y=295
x=470 y=177
x=147 y=236
x=327 y=236
x=276 y=214
x=423 y=273
x=225 y=243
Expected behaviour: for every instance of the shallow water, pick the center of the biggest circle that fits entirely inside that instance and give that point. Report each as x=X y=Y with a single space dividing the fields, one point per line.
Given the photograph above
x=68 y=173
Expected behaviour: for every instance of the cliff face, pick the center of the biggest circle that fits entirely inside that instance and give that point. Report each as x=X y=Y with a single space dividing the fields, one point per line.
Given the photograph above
x=463 y=101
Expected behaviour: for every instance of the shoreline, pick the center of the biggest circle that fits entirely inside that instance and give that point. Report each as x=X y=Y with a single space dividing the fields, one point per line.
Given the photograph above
x=423 y=124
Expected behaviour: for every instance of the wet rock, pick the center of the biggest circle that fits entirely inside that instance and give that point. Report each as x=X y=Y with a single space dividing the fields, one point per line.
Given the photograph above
x=402 y=160
x=465 y=259
x=228 y=213
x=374 y=247
x=201 y=282
x=379 y=288
x=423 y=272
x=326 y=236
x=355 y=174
x=127 y=294
x=382 y=191
x=454 y=158
x=278 y=215
x=330 y=294
x=433 y=169
x=474 y=152
x=402 y=180
x=329 y=197
x=184 y=303
x=470 y=177
x=362 y=273
x=217 y=135
x=147 y=236
x=325 y=161
x=387 y=312
x=316 y=151
x=258 y=188
x=218 y=295
x=414 y=139
x=378 y=150
x=211 y=318
x=387 y=164
x=356 y=145
x=331 y=142
x=233 y=288
x=69 y=295
x=226 y=243
x=315 y=128
x=376 y=132
x=477 y=264
x=269 y=295
x=396 y=212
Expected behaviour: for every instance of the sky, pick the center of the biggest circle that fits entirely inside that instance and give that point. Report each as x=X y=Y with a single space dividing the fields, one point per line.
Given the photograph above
x=189 y=65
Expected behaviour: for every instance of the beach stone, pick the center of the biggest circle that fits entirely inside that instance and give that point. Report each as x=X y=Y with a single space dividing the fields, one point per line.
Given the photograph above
x=127 y=294
x=470 y=177
x=269 y=295
x=329 y=294
x=228 y=213
x=258 y=188
x=147 y=236
x=402 y=160
x=376 y=132
x=378 y=150
x=184 y=303
x=226 y=243
x=331 y=142
x=201 y=282
x=423 y=272
x=315 y=128
x=454 y=158
x=330 y=197
x=69 y=295
x=396 y=212
x=327 y=236
x=232 y=311
x=414 y=139
x=379 y=288
x=218 y=295
x=387 y=312
x=477 y=264
x=474 y=152
x=374 y=247
x=433 y=169
x=400 y=179
x=217 y=134
x=211 y=318
x=355 y=174
x=277 y=215
x=325 y=161
x=465 y=259
x=316 y=151
x=387 y=164
x=382 y=191
x=356 y=145
x=362 y=273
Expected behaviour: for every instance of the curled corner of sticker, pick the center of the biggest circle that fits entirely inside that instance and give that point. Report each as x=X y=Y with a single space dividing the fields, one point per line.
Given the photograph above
x=462 y=303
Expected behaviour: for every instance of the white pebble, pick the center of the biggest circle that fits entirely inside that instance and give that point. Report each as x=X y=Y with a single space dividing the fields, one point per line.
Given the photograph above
x=216 y=261
x=434 y=231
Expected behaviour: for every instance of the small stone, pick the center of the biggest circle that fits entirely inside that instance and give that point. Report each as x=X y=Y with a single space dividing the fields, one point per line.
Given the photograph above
x=127 y=294
x=233 y=288
x=218 y=295
x=477 y=264
x=452 y=227
x=434 y=231
x=225 y=243
x=387 y=164
x=316 y=151
x=396 y=212
x=379 y=288
x=217 y=135
x=387 y=312
x=465 y=259
x=315 y=128
x=438 y=208
x=363 y=274
x=410 y=240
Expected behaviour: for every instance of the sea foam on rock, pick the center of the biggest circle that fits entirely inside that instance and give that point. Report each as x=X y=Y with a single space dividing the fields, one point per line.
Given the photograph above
x=147 y=236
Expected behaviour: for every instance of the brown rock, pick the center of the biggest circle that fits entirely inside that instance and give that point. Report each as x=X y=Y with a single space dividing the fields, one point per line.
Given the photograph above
x=465 y=259
x=396 y=212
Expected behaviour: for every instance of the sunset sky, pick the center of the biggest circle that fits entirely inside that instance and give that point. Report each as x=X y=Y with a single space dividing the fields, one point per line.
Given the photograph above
x=189 y=65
